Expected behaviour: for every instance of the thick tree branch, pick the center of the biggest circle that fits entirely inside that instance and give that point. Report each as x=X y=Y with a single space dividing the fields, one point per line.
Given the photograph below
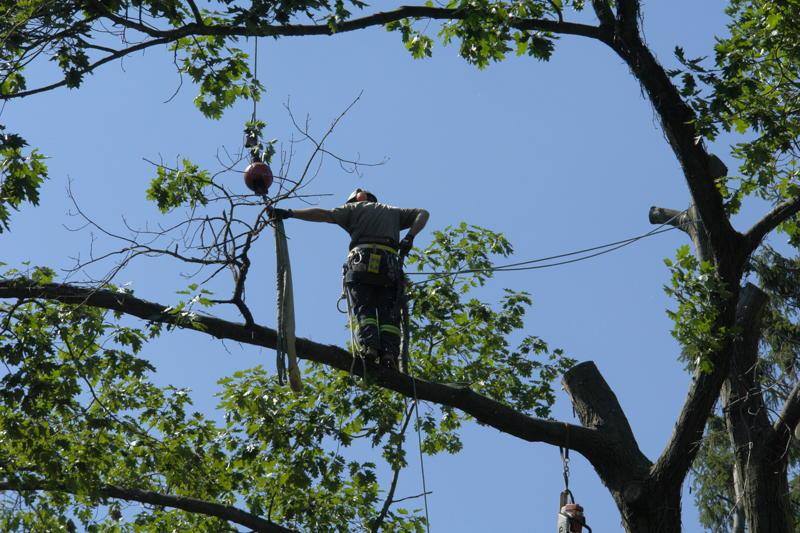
x=759 y=470
x=195 y=11
x=699 y=167
x=682 y=447
x=742 y=400
x=771 y=220
x=788 y=420
x=588 y=442
x=192 y=505
x=672 y=217
x=689 y=222
x=602 y=9
x=100 y=62
x=628 y=15
x=161 y=36
x=598 y=408
x=376 y=19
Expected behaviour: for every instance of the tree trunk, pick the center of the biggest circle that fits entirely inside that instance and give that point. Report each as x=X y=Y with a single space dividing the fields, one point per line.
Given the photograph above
x=659 y=511
x=765 y=490
x=646 y=505
x=760 y=477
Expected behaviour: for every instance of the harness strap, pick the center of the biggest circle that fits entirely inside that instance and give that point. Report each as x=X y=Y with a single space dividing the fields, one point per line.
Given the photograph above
x=384 y=241
x=388 y=328
x=374 y=246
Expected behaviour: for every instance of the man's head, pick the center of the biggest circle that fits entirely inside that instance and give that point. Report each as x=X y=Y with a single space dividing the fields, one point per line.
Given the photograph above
x=360 y=195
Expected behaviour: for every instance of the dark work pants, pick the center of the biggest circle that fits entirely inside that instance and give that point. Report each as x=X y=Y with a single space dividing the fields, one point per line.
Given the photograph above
x=377 y=320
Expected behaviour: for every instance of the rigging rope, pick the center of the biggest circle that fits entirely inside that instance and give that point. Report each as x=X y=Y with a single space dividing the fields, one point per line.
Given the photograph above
x=421 y=461
x=531 y=263
x=255 y=75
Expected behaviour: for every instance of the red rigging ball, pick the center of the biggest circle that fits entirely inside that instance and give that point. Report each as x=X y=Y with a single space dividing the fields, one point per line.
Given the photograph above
x=258 y=177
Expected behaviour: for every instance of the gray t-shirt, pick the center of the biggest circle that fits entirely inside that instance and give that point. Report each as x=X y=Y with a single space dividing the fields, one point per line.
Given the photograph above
x=365 y=220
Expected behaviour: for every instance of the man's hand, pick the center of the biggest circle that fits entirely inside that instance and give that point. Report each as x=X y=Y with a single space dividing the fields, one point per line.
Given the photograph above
x=406 y=244
x=275 y=213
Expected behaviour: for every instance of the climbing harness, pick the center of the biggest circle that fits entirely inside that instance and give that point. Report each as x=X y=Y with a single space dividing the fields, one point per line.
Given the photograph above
x=570 y=514
x=377 y=264
x=372 y=262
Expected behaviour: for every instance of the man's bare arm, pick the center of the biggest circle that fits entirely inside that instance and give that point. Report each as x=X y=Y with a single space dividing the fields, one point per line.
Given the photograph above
x=419 y=223
x=314 y=214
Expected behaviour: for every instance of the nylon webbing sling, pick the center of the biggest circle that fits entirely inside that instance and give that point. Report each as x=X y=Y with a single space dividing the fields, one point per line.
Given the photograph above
x=286 y=340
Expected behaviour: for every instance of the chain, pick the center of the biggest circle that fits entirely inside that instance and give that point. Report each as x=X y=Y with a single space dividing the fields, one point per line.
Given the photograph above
x=565 y=463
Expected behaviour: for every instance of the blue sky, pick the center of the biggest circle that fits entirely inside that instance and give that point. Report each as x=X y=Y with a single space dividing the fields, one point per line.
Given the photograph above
x=557 y=156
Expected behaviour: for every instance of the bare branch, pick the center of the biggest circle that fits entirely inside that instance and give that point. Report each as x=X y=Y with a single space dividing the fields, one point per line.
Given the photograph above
x=195 y=11
x=192 y=505
x=378 y=522
x=111 y=57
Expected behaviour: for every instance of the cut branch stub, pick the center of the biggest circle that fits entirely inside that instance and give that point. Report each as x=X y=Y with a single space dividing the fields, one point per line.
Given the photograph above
x=597 y=408
x=595 y=403
x=687 y=221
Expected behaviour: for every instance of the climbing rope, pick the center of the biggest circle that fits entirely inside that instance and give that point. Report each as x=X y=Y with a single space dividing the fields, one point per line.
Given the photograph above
x=421 y=460
x=531 y=264
x=255 y=74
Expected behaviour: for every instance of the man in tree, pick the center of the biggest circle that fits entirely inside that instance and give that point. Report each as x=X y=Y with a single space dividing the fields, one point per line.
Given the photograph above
x=372 y=271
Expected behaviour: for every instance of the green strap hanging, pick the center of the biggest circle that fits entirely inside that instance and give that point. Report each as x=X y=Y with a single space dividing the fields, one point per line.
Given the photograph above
x=286 y=339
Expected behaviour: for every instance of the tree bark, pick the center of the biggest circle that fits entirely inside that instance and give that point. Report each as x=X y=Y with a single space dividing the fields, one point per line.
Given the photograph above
x=761 y=484
x=760 y=460
x=645 y=505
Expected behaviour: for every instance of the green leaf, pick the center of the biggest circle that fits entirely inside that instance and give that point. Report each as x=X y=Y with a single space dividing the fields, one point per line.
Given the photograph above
x=172 y=188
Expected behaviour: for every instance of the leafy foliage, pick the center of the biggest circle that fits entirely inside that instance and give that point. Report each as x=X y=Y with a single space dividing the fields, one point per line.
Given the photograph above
x=698 y=290
x=79 y=410
x=172 y=188
x=753 y=89
x=221 y=72
x=486 y=35
x=712 y=478
x=21 y=175
x=463 y=340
